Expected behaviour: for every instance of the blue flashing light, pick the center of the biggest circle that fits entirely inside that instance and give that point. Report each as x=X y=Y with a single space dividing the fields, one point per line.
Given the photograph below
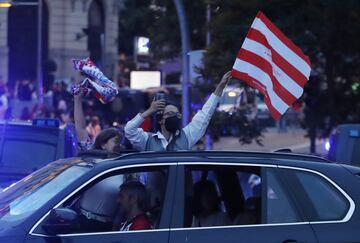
x=354 y=133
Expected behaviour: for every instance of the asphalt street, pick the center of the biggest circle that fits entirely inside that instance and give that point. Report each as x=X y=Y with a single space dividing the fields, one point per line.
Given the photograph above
x=273 y=140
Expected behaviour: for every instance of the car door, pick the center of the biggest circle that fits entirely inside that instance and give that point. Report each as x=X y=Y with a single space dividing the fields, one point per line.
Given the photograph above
x=254 y=205
x=160 y=219
x=330 y=207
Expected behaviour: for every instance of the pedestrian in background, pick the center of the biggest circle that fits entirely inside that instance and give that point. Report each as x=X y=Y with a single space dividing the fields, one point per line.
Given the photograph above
x=94 y=128
x=3 y=100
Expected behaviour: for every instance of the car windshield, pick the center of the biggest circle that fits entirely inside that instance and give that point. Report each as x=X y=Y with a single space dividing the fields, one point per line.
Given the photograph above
x=26 y=196
x=228 y=100
x=27 y=161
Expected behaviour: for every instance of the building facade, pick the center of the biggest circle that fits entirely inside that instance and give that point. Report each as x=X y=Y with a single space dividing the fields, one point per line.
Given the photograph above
x=73 y=29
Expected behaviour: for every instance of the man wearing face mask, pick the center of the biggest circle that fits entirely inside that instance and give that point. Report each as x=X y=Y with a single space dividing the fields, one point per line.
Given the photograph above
x=171 y=136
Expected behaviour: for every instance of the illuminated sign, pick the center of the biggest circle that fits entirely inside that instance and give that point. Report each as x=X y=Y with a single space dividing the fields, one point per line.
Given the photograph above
x=142 y=45
x=145 y=79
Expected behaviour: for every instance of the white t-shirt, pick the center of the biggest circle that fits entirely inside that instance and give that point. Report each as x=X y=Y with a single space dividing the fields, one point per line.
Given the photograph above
x=101 y=198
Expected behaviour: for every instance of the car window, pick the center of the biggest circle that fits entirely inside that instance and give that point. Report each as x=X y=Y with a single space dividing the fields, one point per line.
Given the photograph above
x=20 y=154
x=235 y=195
x=125 y=200
x=220 y=195
x=329 y=203
x=278 y=206
x=26 y=196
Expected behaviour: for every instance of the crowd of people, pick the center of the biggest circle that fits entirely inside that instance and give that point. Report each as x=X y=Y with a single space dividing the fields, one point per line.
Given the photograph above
x=20 y=102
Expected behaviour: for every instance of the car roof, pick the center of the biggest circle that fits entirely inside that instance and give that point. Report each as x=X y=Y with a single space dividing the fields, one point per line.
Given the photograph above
x=99 y=163
x=26 y=124
x=215 y=158
x=209 y=156
x=222 y=154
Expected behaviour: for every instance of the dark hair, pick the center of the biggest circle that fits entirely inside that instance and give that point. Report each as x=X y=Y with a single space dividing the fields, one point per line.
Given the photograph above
x=105 y=135
x=137 y=189
x=203 y=187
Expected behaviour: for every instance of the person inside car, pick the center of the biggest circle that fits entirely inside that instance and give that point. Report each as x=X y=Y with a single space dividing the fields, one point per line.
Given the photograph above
x=207 y=210
x=171 y=136
x=133 y=203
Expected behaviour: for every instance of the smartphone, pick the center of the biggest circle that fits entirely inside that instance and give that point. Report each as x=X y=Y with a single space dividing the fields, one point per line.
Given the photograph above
x=160 y=96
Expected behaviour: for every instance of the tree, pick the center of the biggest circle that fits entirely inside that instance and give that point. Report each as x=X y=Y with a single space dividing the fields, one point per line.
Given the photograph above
x=326 y=30
x=157 y=20
x=165 y=31
x=134 y=19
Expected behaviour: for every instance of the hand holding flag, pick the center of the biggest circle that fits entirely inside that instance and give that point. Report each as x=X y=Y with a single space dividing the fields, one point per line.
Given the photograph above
x=221 y=86
x=269 y=62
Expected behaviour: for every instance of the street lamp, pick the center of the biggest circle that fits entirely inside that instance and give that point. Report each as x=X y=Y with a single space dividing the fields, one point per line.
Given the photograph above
x=185 y=47
x=39 y=75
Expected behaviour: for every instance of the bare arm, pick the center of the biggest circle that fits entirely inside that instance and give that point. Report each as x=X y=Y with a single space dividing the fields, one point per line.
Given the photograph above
x=221 y=86
x=16 y=90
x=197 y=127
x=79 y=118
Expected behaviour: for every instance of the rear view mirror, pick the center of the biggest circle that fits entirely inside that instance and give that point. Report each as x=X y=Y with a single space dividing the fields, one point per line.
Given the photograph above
x=61 y=221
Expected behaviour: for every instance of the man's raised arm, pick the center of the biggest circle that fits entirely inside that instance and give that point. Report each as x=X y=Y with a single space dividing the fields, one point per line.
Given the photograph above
x=198 y=125
x=136 y=135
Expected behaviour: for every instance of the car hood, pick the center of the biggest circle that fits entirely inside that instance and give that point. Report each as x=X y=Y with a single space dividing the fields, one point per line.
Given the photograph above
x=12 y=234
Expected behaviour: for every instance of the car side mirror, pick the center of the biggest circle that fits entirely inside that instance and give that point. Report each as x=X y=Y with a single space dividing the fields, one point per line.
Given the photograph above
x=61 y=221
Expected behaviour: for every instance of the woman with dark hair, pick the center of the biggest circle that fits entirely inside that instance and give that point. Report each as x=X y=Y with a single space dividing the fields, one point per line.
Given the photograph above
x=108 y=139
x=207 y=210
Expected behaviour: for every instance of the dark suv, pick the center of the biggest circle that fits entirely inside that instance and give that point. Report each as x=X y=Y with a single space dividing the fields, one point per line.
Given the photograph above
x=188 y=197
x=28 y=146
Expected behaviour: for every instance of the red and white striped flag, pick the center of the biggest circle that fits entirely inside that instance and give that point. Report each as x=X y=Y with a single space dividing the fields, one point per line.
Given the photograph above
x=271 y=63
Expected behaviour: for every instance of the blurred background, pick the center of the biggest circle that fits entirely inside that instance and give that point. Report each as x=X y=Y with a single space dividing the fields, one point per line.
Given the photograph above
x=181 y=48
